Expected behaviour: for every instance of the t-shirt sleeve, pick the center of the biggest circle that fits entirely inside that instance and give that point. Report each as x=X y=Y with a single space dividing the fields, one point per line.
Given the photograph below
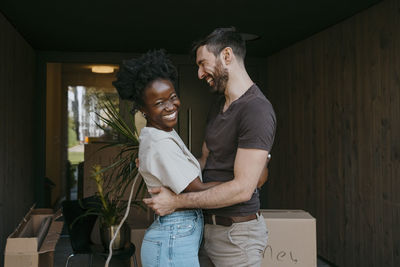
x=257 y=125
x=171 y=166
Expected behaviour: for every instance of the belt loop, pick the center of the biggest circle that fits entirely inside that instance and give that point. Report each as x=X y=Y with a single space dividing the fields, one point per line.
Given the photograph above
x=213 y=219
x=258 y=215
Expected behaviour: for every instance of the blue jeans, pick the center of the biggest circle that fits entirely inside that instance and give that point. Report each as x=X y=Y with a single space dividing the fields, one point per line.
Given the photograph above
x=173 y=240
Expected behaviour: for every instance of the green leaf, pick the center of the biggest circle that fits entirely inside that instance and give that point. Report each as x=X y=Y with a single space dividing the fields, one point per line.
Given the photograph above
x=120 y=174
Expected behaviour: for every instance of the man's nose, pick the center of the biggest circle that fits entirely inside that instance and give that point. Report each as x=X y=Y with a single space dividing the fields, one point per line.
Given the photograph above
x=201 y=73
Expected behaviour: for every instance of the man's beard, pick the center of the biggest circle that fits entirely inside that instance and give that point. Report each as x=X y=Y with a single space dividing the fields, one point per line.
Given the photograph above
x=221 y=77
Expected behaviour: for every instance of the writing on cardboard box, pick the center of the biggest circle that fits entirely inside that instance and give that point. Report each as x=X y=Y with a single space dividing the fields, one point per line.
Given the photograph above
x=280 y=255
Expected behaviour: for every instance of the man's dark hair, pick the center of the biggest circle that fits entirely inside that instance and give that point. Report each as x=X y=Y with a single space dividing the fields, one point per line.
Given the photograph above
x=136 y=74
x=221 y=38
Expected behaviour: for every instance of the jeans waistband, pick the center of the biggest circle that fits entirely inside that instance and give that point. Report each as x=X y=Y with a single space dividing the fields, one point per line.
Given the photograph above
x=179 y=214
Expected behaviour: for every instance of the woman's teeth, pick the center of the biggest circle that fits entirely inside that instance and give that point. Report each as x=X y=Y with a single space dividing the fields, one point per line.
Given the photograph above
x=171 y=116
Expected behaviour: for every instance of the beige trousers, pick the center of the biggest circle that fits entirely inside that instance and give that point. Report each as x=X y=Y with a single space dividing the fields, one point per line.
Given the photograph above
x=239 y=245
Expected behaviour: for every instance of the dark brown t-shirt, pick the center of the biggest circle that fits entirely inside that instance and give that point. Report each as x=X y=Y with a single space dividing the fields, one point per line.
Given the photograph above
x=249 y=122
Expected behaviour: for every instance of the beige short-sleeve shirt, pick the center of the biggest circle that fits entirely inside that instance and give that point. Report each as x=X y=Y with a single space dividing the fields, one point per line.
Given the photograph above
x=164 y=160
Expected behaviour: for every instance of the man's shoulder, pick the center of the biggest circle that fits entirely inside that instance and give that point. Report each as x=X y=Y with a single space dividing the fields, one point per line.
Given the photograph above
x=257 y=101
x=258 y=95
x=258 y=109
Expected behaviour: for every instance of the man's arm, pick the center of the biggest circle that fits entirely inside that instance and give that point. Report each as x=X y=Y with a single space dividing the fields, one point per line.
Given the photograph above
x=248 y=167
x=203 y=159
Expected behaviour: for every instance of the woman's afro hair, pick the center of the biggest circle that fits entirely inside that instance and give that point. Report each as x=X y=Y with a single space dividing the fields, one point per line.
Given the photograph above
x=136 y=74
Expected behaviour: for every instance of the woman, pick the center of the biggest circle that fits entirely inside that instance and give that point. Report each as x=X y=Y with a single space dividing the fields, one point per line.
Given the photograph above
x=148 y=81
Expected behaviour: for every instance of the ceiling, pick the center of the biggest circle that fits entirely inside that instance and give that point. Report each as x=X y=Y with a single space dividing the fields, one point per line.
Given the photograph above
x=137 y=26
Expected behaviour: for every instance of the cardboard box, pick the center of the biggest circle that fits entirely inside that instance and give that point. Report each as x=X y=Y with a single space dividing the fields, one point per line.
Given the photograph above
x=291 y=239
x=33 y=242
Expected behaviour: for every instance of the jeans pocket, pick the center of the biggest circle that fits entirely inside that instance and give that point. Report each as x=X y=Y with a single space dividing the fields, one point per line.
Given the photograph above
x=185 y=228
x=150 y=253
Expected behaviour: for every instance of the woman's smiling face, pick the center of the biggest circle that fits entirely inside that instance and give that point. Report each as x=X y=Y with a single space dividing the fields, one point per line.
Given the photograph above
x=161 y=105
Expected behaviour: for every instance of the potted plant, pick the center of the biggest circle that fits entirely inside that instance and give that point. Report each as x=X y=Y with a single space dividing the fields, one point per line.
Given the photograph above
x=115 y=180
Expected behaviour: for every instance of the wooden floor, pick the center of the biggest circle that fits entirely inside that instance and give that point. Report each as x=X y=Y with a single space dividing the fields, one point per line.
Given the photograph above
x=63 y=250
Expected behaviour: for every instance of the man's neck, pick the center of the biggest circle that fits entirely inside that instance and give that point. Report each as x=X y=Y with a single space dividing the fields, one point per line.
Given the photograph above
x=239 y=82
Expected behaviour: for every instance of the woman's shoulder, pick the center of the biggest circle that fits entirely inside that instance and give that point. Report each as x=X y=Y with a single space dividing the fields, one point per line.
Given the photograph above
x=151 y=134
x=159 y=141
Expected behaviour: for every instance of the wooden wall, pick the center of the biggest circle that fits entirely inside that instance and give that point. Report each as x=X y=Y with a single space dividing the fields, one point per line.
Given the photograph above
x=337 y=151
x=17 y=70
x=55 y=132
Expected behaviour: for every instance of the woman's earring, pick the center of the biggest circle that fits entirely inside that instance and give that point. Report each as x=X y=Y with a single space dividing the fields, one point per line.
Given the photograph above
x=144 y=114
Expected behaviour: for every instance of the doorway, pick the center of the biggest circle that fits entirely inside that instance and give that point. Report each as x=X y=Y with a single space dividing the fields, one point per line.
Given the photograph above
x=73 y=97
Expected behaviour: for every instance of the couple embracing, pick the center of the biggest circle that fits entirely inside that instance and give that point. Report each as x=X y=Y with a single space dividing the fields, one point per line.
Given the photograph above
x=207 y=208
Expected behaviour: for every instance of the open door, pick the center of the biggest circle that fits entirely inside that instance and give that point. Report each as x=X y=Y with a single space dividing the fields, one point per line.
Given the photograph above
x=74 y=92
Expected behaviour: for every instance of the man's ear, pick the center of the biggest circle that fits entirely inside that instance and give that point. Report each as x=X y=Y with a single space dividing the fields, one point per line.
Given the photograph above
x=227 y=55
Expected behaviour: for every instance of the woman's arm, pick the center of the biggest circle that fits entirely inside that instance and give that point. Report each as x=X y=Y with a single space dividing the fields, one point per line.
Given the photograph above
x=263 y=177
x=204 y=155
x=264 y=174
x=197 y=185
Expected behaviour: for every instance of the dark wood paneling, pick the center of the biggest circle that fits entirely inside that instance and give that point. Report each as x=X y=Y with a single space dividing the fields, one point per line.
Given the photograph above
x=337 y=150
x=17 y=67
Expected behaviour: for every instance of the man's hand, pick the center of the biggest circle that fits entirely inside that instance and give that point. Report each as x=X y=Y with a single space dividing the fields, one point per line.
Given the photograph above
x=163 y=203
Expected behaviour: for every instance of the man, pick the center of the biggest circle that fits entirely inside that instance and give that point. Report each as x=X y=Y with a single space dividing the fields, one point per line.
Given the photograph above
x=239 y=135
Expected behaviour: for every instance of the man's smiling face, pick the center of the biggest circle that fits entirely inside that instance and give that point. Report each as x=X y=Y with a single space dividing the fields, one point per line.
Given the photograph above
x=211 y=69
